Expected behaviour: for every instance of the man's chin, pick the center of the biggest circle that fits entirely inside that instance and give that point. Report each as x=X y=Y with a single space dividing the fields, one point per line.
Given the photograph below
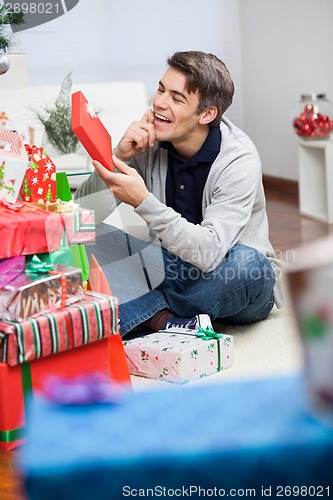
x=162 y=135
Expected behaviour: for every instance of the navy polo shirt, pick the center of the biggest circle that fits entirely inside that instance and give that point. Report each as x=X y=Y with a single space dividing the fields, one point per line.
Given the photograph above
x=186 y=178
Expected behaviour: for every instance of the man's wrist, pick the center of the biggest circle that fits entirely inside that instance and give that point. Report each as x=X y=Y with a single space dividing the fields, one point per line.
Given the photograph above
x=119 y=154
x=141 y=198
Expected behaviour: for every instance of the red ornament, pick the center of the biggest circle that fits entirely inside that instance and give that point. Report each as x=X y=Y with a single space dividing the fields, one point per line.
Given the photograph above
x=312 y=124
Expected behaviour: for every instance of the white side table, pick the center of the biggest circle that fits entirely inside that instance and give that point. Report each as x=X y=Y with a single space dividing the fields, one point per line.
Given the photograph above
x=316 y=179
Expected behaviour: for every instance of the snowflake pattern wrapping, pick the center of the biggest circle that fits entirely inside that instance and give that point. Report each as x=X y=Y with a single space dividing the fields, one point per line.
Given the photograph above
x=13 y=164
x=39 y=183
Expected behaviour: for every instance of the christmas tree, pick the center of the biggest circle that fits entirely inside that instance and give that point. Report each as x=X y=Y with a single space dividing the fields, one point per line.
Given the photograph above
x=57 y=120
x=12 y=18
x=26 y=189
x=48 y=196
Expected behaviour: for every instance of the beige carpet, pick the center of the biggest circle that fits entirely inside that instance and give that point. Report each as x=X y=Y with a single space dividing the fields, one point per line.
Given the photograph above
x=269 y=348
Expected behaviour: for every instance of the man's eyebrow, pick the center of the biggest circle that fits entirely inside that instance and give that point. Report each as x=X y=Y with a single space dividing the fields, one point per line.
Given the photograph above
x=177 y=92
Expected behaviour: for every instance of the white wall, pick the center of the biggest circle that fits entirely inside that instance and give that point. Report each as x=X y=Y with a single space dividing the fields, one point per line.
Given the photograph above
x=275 y=50
x=130 y=40
x=287 y=50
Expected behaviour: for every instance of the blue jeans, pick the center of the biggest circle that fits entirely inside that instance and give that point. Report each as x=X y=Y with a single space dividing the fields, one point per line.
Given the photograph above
x=147 y=278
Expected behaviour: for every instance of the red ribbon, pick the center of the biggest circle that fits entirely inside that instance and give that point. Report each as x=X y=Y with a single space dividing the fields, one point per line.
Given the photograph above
x=63 y=283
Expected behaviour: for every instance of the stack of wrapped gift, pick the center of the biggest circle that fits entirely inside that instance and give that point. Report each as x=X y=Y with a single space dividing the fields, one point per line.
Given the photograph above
x=48 y=323
x=179 y=356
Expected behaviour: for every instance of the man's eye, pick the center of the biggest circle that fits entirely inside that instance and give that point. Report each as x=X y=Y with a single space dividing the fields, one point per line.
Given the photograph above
x=176 y=99
x=160 y=91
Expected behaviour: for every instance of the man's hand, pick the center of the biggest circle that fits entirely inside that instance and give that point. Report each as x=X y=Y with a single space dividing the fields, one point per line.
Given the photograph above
x=128 y=186
x=138 y=137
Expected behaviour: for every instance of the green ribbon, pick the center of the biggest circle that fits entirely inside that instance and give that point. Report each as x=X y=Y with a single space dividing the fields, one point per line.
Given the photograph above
x=38 y=266
x=218 y=355
x=12 y=435
x=26 y=382
x=208 y=333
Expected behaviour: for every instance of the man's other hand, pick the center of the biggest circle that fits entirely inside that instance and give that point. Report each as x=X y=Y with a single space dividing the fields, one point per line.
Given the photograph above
x=139 y=137
x=127 y=185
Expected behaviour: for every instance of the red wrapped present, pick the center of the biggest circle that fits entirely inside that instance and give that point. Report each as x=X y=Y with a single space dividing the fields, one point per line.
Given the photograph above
x=26 y=230
x=79 y=223
x=93 y=317
x=39 y=183
x=42 y=288
x=13 y=164
x=10 y=269
x=90 y=131
x=17 y=383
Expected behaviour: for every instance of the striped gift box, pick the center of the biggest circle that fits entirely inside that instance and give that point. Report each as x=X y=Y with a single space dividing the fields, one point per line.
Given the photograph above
x=92 y=318
x=79 y=227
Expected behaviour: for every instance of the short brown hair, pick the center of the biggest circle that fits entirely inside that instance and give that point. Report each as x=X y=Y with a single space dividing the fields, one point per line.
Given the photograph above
x=209 y=75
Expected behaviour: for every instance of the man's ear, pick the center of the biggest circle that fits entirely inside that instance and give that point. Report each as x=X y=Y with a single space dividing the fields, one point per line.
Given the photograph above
x=208 y=115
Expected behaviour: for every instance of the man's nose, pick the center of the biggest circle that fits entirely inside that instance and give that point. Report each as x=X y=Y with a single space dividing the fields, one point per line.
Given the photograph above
x=161 y=100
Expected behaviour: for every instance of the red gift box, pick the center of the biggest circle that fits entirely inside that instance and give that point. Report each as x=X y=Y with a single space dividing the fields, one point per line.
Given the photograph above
x=90 y=131
x=39 y=183
x=26 y=230
x=17 y=383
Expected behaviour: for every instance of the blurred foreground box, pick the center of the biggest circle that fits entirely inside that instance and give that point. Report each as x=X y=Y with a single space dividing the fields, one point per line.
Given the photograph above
x=255 y=434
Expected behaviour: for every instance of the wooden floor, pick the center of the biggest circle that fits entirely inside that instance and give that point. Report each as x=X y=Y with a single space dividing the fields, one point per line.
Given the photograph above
x=287 y=228
x=287 y=231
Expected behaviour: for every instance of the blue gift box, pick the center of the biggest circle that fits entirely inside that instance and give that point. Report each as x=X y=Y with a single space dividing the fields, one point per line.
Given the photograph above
x=209 y=440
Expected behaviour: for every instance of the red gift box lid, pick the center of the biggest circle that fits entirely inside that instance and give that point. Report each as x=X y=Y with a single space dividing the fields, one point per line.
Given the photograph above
x=90 y=131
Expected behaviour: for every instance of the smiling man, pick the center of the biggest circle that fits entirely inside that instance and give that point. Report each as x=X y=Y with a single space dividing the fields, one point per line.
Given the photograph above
x=195 y=179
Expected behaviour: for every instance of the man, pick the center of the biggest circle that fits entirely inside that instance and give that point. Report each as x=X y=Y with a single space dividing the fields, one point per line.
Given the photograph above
x=196 y=181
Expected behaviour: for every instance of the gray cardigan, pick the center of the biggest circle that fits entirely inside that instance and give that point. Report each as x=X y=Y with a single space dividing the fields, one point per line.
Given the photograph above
x=233 y=204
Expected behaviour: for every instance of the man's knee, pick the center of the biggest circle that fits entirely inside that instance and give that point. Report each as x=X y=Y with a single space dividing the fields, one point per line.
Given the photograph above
x=246 y=263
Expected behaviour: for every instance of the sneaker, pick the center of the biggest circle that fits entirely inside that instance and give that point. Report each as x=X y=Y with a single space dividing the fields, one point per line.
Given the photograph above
x=179 y=325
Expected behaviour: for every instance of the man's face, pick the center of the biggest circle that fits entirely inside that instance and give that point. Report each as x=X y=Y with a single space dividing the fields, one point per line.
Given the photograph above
x=176 y=117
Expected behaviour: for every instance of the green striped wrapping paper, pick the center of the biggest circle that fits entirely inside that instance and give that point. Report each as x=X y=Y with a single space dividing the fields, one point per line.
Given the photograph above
x=79 y=227
x=88 y=320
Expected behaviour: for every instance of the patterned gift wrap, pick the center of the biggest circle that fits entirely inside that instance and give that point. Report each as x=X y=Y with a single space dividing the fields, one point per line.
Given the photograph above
x=178 y=357
x=26 y=230
x=92 y=318
x=10 y=269
x=35 y=293
x=13 y=164
x=79 y=227
x=39 y=183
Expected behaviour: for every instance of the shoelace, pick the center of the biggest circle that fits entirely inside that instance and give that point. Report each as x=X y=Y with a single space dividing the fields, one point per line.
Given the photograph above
x=186 y=326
